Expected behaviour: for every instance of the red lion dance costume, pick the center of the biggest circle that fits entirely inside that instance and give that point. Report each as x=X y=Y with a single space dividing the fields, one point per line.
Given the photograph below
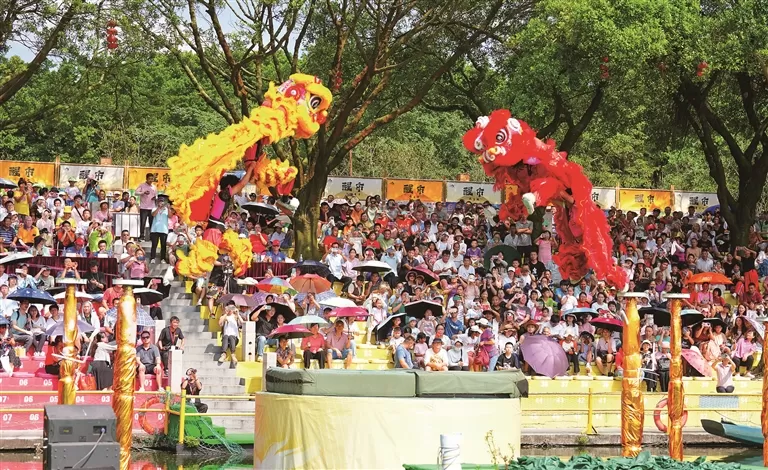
x=201 y=193
x=511 y=154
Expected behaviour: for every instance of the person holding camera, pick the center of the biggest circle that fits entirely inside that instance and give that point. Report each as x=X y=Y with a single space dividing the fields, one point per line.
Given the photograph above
x=193 y=386
x=159 y=231
x=724 y=368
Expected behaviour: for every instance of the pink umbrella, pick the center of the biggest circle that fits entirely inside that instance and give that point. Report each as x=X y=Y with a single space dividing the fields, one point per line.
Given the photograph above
x=290 y=332
x=697 y=361
x=544 y=355
x=313 y=283
x=349 y=312
x=429 y=276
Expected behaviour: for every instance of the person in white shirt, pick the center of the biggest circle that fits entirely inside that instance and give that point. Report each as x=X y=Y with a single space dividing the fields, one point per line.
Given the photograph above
x=569 y=301
x=334 y=258
x=436 y=358
x=466 y=269
x=456 y=356
x=704 y=264
x=444 y=266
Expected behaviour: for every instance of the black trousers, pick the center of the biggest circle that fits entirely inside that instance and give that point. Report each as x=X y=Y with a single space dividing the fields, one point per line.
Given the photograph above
x=319 y=355
x=103 y=373
x=154 y=238
x=664 y=380
x=728 y=389
x=144 y=215
x=748 y=362
x=573 y=358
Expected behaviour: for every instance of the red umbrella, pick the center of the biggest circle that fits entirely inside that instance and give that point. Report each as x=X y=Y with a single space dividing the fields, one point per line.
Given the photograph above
x=291 y=332
x=611 y=324
x=423 y=270
x=313 y=283
x=697 y=361
x=349 y=312
x=710 y=278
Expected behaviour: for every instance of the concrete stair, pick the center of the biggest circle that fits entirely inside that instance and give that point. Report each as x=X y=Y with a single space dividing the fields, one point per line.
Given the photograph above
x=202 y=351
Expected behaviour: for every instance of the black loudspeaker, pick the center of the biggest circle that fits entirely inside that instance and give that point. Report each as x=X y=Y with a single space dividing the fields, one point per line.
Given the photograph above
x=80 y=436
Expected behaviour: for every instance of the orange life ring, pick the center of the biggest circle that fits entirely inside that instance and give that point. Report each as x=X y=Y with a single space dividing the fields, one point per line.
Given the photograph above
x=143 y=422
x=661 y=425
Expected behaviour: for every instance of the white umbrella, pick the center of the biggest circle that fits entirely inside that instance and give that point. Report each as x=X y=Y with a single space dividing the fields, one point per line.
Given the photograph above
x=337 y=302
x=15 y=257
x=78 y=295
x=7 y=184
x=248 y=281
x=309 y=320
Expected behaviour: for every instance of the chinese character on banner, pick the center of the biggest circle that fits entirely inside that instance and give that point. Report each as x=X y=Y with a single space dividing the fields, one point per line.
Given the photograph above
x=467 y=191
x=14 y=171
x=420 y=189
x=99 y=175
x=639 y=198
x=595 y=196
x=651 y=198
x=83 y=174
x=154 y=176
x=166 y=178
x=29 y=171
x=705 y=201
x=346 y=186
x=407 y=189
x=693 y=201
x=359 y=187
x=479 y=192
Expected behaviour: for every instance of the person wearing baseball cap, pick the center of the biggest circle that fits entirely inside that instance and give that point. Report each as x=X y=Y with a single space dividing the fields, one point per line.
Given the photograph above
x=274 y=255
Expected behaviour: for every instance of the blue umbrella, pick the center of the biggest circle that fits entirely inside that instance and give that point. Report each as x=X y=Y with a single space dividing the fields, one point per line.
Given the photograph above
x=320 y=296
x=4 y=321
x=142 y=316
x=32 y=296
x=712 y=209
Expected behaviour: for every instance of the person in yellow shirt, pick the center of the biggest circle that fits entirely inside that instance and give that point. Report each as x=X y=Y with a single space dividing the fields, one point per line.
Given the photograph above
x=22 y=197
x=28 y=232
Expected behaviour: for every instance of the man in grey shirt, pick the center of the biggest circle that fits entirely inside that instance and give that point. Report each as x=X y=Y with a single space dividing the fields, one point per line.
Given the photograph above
x=524 y=229
x=147 y=358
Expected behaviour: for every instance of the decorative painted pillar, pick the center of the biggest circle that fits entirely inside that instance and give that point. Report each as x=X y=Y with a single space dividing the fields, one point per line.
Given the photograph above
x=676 y=394
x=125 y=369
x=632 y=407
x=67 y=391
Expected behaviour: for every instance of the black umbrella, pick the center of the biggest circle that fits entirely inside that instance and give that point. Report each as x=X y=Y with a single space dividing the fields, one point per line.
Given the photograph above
x=259 y=208
x=148 y=296
x=282 y=309
x=508 y=252
x=313 y=267
x=384 y=329
x=580 y=312
x=713 y=322
x=419 y=308
x=56 y=290
x=33 y=296
x=7 y=184
x=662 y=317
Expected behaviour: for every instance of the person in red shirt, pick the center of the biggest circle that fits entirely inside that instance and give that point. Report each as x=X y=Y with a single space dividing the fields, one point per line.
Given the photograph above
x=372 y=242
x=258 y=240
x=752 y=295
x=312 y=347
x=110 y=295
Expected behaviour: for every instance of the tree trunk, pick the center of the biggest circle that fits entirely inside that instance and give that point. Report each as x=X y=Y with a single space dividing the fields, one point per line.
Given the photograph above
x=307 y=216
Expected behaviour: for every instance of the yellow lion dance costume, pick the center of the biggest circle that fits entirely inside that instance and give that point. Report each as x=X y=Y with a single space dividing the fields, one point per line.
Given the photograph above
x=295 y=109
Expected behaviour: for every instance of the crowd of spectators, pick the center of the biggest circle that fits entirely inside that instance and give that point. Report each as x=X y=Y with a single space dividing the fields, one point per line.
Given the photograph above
x=492 y=301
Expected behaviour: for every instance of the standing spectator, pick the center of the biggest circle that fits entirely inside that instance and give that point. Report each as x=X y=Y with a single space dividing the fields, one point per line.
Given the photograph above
x=312 y=347
x=230 y=323
x=147 y=359
x=22 y=197
x=170 y=337
x=100 y=351
x=147 y=195
x=159 y=231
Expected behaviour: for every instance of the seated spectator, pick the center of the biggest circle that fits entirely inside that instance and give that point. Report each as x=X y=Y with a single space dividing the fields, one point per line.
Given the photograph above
x=7 y=233
x=312 y=347
x=19 y=320
x=96 y=282
x=8 y=359
x=52 y=363
x=337 y=345
x=744 y=352
x=435 y=358
x=147 y=359
x=285 y=354
x=403 y=354
x=70 y=270
x=98 y=234
x=508 y=360
x=264 y=318
x=663 y=363
x=456 y=356
x=36 y=327
x=605 y=352
x=274 y=255
x=724 y=368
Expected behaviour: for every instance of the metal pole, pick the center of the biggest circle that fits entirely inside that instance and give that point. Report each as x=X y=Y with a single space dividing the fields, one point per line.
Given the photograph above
x=182 y=416
x=632 y=408
x=125 y=369
x=590 y=431
x=676 y=396
x=67 y=392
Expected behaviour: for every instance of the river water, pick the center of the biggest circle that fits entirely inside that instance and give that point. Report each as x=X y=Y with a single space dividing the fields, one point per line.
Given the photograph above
x=169 y=461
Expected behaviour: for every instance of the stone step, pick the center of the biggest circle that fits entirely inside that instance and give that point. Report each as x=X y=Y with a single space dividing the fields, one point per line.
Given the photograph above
x=235 y=424
x=243 y=406
x=176 y=302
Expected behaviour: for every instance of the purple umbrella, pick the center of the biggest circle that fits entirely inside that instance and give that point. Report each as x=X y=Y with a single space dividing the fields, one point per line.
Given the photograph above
x=545 y=355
